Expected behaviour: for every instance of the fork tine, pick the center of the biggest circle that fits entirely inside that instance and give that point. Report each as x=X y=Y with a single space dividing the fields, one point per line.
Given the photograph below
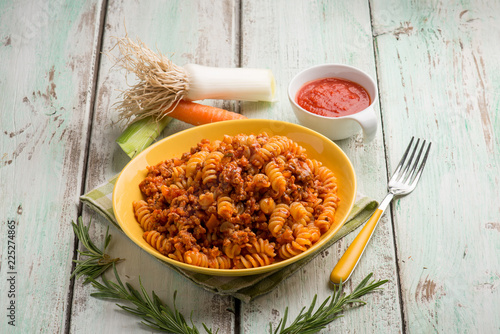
x=408 y=163
x=403 y=158
x=413 y=169
x=421 y=168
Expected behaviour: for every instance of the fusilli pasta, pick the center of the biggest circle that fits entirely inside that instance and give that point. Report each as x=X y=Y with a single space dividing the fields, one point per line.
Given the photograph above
x=245 y=201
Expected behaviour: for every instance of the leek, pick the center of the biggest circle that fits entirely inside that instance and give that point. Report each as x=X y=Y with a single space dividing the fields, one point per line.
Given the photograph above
x=161 y=84
x=244 y=84
x=140 y=134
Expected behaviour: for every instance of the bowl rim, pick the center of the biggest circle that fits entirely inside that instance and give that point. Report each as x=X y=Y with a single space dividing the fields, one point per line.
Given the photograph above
x=337 y=65
x=314 y=250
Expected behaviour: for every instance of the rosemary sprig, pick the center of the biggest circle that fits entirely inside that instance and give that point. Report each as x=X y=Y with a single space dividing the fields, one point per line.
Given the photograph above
x=97 y=261
x=158 y=316
x=151 y=309
x=310 y=322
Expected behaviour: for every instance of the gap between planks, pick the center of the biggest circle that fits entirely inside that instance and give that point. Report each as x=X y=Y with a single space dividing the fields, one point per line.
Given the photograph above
x=92 y=92
x=388 y=171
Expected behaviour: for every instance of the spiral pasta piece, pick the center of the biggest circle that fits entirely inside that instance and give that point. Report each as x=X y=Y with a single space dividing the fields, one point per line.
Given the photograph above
x=179 y=177
x=314 y=231
x=217 y=262
x=225 y=207
x=294 y=148
x=209 y=169
x=244 y=143
x=273 y=148
x=158 y=241
x=195 y=258
x=220 y=262
x=330 y=200
x=195 y=161
x=328 y=178
x=299 y=213
x=325 y=219
x=261 y=246
x=290 y=250
x=206 y=200
x=177 y=255
x=232 y=250
x=252 y=261
x=313 y=165
x=267 y=205
x=302 y=235
x=278 y=218
x=143 y=215
x=303 y=240
x=278 y=181
x=260 y=181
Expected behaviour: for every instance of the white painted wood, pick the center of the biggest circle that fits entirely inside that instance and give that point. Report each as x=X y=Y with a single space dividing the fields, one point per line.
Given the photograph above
x=188 y=32
x=46 y=70
x=438 y=67
x=289 y=36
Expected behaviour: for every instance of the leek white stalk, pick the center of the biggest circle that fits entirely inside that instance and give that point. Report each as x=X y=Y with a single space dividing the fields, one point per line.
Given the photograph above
x=244 y=84
x=162 y=84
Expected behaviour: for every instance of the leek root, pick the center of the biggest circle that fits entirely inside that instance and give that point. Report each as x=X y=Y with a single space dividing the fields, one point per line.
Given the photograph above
x=162 y=84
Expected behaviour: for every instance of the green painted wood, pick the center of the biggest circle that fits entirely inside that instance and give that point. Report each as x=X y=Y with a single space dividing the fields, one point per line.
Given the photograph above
x=438 y=76
x=47 y=50
x=438 y=67
x=188 y=32
x=287 y=37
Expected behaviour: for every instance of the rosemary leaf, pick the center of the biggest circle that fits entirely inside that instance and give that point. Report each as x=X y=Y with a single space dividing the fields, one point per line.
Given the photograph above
x=310 y=322
x=97 y=261
x=160 y=317
x=153 y=312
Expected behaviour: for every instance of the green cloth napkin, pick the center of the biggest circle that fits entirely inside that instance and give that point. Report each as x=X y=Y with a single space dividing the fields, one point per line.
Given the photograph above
x=244 y=288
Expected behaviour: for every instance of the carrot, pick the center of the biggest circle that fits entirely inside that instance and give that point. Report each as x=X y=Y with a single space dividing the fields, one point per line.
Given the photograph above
x=143 y=132
x=197 y=114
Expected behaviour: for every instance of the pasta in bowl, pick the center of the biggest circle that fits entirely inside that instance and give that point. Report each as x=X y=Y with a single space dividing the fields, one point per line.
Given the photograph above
x=237 y=197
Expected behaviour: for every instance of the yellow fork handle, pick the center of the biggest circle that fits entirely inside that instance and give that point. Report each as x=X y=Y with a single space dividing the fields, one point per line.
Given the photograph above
x=349 y=260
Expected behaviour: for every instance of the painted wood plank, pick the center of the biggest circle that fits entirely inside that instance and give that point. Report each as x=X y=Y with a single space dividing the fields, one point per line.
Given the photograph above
x=47 y=50
x=190 y=31
x=288 y=36
x=438 y=67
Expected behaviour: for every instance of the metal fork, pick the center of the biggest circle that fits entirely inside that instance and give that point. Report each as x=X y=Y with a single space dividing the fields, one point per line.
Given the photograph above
x=403 y=181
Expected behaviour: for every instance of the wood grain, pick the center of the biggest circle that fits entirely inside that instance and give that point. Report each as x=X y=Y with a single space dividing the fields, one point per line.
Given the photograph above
x=438 y=69
x=47 y=50
x=436 y=66
x=186 y=31
x=281 y=35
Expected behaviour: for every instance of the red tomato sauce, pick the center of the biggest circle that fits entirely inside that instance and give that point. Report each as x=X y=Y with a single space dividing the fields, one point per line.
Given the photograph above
x=333 y=97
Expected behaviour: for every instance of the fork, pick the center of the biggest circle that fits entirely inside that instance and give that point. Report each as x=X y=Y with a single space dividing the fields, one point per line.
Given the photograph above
x=402 y=182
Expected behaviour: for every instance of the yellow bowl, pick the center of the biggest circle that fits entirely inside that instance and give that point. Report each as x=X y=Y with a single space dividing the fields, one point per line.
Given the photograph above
x=318 y=147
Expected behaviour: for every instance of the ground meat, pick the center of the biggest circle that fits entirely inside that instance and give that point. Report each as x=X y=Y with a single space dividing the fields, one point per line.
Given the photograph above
x=211 y=208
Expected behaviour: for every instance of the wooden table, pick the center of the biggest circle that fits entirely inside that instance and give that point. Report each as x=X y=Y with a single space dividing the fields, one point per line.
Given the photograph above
x=436 y=64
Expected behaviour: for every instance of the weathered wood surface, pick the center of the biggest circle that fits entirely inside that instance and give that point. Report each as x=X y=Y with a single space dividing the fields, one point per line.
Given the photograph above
x=438 y=74
x=185 y=31
x=288 y=44
x=47 y=51
x=437 y=71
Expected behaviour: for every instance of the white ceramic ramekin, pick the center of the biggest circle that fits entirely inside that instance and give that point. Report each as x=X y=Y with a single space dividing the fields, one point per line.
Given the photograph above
x=336 y=128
